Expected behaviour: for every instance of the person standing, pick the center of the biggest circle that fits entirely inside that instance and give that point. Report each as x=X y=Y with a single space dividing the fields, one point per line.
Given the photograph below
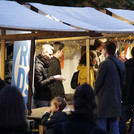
x=127 y=95
x=98 y=49
x=42 y=80
x=55 y=69
x=108 y=84
x=82 y=68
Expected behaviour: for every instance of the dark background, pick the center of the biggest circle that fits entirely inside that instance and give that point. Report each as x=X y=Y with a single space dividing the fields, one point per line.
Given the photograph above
x=98 y=4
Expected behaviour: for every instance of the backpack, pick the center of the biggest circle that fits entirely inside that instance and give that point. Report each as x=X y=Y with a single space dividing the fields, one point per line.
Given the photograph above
x=74 y=80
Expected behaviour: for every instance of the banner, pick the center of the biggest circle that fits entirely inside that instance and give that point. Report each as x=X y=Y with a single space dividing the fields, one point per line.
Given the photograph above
x=20 y=69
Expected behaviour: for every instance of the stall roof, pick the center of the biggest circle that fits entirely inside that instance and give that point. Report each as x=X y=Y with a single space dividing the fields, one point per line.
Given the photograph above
x=86 y=17
x=127 y=14
x=16 y=16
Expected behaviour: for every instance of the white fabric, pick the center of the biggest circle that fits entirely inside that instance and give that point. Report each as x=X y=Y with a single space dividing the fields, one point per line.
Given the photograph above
x=14 y=15
x=126 y=14
x=86 y=17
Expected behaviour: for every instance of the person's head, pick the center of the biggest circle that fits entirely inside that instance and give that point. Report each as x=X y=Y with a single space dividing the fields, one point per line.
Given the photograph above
x=98 y=45
x=58 y=49
x=109 y=48
x=82 y=60
x=58 y=103
x=84 y=100
x=132 y=52
x=12 y=109
x=47 y=51
x=92 y=58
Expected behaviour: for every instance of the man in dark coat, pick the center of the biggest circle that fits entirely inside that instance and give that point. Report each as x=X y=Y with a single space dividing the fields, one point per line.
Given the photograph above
x=42 y=80
x=110 y=79
x=55 y=69
x=128 y=95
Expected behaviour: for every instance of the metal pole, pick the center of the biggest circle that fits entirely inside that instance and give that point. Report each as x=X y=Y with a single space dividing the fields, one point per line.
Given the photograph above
x=88 y=60
x=30 y=93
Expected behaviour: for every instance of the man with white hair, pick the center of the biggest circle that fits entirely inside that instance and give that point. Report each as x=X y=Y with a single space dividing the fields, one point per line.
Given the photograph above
x=42 y=80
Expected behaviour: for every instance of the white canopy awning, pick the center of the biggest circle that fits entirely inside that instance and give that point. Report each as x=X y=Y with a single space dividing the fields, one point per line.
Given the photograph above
x=16 y=16
x=126 y=14
x=87 y=18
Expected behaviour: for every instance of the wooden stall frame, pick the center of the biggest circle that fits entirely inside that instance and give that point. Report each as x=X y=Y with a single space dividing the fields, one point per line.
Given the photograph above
x=116 y=16
x=52 y=36
x=3 y=54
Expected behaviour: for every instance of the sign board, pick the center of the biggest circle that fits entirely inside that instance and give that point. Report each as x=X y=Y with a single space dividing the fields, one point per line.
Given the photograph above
x=20 y=69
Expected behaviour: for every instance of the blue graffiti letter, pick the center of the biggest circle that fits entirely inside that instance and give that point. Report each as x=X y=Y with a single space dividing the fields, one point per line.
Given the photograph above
x=24 y=50
x=21 y=72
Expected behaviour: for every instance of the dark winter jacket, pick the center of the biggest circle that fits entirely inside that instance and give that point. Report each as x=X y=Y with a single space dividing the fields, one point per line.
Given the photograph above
x=2 y=84
x=78 y=124
x=108 y=87
x=42 y=80
x=51 y=121
x=128 y=90
x=55 y=69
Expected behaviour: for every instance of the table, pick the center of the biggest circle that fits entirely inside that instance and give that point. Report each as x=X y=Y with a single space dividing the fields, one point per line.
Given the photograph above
x=37 y=114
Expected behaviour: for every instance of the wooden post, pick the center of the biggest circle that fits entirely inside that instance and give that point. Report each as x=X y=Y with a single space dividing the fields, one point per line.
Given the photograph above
x=41 y=128
x=30 y=78
x=3 y=56
x=88 y=60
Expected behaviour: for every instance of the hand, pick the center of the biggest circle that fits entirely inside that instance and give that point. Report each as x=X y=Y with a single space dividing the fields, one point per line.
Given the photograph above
x=48 y=111
x=59 y=77
x=53 y=109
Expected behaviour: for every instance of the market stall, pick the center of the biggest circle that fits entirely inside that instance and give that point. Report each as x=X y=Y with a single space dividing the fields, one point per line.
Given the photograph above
x=82 y=24
x=86 y=18
x=19 y=23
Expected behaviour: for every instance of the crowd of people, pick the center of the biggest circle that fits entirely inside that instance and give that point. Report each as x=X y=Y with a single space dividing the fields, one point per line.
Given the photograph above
x=101 y=107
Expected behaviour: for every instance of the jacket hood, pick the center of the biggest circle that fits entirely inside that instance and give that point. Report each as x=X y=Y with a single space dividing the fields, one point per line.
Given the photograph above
x=42 y=61
x=80 y=67
x=118 y=62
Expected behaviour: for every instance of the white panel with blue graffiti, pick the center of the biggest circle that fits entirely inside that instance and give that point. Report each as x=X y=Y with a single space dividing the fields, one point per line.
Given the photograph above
x=20 y=70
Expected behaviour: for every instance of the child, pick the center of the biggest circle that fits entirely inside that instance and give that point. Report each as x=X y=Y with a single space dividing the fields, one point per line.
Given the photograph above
x=54 y=114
